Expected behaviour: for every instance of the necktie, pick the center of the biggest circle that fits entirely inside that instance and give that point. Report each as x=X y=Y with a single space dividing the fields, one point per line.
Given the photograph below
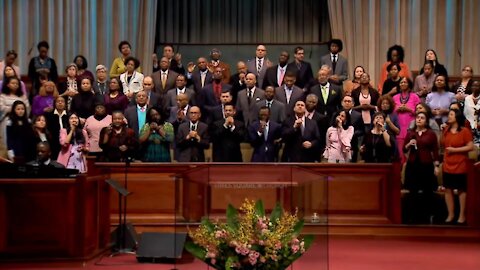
x=193 y=127
x=142 y=109
x=259 y=67
x=202 y=76
x=324 y=94
x=101 y=87
x=269 y=104
x=164 y=80
x=288 y=95
x=249 y=95
x=280 y=79
x=265 y=133
x=334 y=63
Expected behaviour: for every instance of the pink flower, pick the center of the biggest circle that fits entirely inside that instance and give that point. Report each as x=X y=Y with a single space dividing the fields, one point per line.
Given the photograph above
x=295 y=248
x=278 y=245
x=261 y=242
x=213 y=261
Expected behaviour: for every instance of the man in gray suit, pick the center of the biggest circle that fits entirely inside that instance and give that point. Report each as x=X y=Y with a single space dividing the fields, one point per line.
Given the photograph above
x=164 y=79
x=336 y=62
x=247 y=99
x=277 y=109
x=289 y=93
x=259 y=64
x=170 y=99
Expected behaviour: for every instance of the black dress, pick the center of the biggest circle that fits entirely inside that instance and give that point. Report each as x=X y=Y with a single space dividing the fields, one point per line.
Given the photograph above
x=21 y=140
x=376 y=150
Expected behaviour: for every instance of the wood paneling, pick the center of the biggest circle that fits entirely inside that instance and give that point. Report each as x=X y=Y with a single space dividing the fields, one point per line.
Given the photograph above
x=349 y=193
x=54 y=218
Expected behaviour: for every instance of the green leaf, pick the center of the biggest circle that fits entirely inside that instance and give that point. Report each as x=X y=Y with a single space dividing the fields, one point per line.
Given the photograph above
x=298 y=227
x=232 y=217
x=208 y=224
x=230 y=262
x=259 y=209
x=196 y=250
x=308 y=239
x=276 y=213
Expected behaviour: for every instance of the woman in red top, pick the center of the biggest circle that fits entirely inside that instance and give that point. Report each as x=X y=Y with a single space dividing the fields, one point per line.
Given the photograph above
x=457 y=142
x=422 y=145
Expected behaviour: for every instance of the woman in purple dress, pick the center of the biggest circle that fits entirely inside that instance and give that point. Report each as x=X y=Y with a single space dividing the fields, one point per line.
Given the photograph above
x=43 y=102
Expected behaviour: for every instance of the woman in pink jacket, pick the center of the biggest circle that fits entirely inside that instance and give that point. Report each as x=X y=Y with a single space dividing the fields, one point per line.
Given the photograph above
x=339 y=139
x=75 y=146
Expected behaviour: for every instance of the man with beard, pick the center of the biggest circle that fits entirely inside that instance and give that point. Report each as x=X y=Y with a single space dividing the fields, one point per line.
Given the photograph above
x=274 y=75
x=301 y=137
x=227 y=134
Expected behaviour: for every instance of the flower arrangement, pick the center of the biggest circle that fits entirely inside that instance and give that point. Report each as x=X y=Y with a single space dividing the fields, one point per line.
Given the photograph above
x=249 y=239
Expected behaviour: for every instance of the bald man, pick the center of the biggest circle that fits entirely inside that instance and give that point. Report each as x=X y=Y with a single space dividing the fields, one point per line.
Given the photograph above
x=259 y=64
x=192 y=138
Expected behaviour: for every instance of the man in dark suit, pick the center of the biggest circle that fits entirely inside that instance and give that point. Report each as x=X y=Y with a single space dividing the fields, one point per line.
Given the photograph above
x=357 y=122
x=302 y=69
x=237 y=81
x=43 y=159
x=274 y=75
x=209 y=96
x=215 y=62
x=289 y=93
x=192 y=138
x=174 y=60
x=259 y=64
x=198 y=78
x=265 y=137
x=178 y=114
x=329 y=95
x=227 y=134
x=323 y=123
x=336 y=62
x=164 y=79
x=301 y=137
x=247 y=99
x=277 y=109
x=218 y=112
x=153 y=99
x=136 y=115
x=170 y=99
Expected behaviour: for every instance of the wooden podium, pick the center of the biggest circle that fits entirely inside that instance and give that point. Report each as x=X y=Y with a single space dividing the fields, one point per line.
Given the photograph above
x=55 y=218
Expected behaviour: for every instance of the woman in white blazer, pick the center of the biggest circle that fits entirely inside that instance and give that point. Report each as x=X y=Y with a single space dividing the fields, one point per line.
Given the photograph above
x=132 y=80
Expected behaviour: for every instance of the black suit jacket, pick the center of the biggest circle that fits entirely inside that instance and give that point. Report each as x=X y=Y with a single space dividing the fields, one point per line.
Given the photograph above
x=226 y=142
x=264 y=150
x=132 y=118
x=304 y=73
x=323 y=123
x=237 y=86
x=333 y=101
x=206 y=97
x=53 y=126
x=191 y=150
x=196 y=80
x=293 y=139
x=271 y=76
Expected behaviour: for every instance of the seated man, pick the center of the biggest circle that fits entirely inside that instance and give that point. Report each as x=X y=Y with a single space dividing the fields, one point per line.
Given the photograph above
x=44 y=157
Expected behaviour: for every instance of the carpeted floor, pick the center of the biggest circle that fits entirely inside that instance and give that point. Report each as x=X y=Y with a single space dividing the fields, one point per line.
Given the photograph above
x=343 y=254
